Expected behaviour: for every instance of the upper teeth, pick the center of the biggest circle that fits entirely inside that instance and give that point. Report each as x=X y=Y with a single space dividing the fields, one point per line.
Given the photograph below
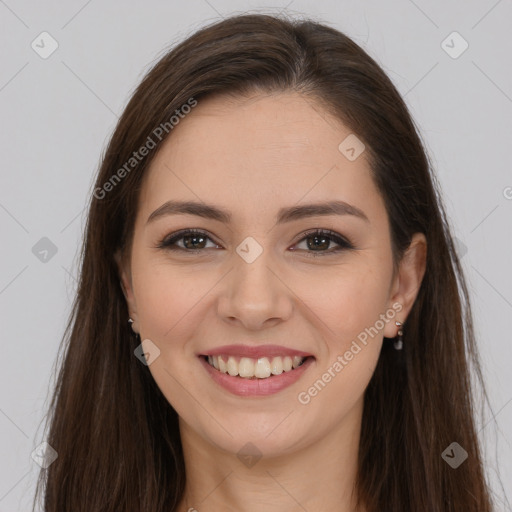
x=260 y=368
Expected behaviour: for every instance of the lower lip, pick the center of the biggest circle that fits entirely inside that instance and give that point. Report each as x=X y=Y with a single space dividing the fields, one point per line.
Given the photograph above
x=256 y=387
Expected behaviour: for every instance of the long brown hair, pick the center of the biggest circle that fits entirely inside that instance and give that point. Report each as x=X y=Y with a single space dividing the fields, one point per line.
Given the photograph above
x=117 y=437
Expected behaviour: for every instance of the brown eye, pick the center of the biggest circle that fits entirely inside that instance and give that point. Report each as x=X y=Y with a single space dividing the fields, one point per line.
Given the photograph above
x=193 y=240
x=318 y=242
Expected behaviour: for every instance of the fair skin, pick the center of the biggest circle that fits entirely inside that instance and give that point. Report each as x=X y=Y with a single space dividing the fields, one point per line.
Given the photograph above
x=252 y=157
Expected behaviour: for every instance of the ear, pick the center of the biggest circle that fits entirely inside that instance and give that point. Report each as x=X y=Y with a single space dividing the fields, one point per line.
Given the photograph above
x=407 y=282
x=126 y=285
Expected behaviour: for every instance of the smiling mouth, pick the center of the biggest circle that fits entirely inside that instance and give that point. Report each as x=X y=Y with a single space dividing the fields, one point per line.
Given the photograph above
x=251 y=368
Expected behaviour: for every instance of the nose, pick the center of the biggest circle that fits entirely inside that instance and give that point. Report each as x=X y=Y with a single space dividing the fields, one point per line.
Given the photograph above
x=254 y=295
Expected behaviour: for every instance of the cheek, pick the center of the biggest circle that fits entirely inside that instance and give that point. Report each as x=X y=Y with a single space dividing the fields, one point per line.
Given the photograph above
x=169 y=304
x=166 y=297
x=349 y=309
x=347 y=299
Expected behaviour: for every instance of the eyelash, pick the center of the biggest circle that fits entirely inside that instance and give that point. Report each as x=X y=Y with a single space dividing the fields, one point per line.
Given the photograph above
x=168 y=243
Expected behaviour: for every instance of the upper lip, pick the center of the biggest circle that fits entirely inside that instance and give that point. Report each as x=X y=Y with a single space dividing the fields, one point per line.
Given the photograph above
x=255 y=351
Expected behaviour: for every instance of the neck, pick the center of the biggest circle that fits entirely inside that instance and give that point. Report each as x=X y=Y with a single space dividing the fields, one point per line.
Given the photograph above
x=319 y=476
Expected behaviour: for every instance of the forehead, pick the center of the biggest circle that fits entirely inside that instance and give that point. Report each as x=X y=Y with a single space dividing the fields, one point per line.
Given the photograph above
x=258 y=153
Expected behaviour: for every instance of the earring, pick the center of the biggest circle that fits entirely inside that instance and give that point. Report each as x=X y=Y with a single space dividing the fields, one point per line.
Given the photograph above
x=136 y=334
x=398 y=344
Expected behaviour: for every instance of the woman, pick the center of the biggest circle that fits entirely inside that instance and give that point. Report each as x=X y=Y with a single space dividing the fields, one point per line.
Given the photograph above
x=271 y=314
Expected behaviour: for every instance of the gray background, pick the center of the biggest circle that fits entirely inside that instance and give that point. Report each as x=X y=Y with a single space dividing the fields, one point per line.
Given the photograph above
x=58 y=113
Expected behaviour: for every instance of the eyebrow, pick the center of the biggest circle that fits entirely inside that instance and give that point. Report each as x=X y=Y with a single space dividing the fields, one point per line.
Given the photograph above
x=287 y=214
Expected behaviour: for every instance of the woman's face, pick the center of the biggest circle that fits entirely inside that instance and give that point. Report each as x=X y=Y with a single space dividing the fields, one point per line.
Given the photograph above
x=255 y=288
